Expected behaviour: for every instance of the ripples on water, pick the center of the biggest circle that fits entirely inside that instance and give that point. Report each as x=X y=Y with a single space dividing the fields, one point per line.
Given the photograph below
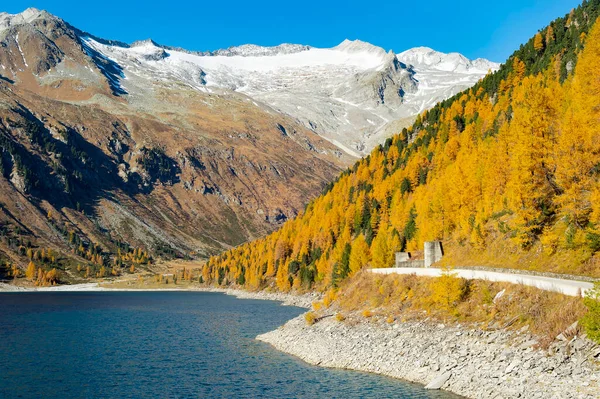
x=162 y=345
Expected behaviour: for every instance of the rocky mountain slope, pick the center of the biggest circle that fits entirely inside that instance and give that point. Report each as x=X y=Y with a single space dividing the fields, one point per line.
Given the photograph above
x=95 y=170
x=352 y=94
x=112 y=153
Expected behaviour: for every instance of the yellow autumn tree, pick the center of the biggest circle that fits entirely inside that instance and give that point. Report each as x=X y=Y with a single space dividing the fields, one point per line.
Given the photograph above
x=579 y=146
x=538 y=42
x=30 y=272
x=533 y=134
x=382 y=249
x=359 y=254
x=447 y=290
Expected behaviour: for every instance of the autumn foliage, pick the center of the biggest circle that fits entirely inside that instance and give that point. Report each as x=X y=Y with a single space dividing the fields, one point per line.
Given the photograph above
x=451 y=299
x=511 y=165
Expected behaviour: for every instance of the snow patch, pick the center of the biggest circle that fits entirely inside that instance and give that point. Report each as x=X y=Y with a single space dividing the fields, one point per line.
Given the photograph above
x=332 y=91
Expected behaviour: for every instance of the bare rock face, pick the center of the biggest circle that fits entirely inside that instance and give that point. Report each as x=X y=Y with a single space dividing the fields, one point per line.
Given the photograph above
x=380 y=87
x=162 y=166
x=17 y=180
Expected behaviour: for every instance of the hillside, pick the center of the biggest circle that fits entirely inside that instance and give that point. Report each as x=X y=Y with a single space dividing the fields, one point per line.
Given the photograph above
x=91 y=176
x=505 y=174
x=114 y=155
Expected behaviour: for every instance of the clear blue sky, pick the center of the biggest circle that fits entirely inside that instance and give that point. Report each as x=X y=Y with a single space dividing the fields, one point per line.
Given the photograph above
x=475 y=28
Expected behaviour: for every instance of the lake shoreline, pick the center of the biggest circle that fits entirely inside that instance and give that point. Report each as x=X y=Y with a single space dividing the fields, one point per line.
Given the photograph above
x=299 y=300
x=466 y=361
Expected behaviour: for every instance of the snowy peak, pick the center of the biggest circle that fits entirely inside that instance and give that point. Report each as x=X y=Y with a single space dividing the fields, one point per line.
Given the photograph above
x=425 y=57
x=148 y=50
x=349 y=94
x=483 y=64
x=145 y=43
x=252 y=50
x=358 y=46
x=26 y=17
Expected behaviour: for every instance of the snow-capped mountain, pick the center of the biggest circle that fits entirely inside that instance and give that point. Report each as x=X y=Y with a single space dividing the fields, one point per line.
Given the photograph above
x=441 y=75
x=193 y=151
x=135 y=138
x=424 y=57
x=349 y=94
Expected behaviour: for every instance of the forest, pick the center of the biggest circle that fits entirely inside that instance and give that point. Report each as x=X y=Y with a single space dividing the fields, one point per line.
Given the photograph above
x=505 y=174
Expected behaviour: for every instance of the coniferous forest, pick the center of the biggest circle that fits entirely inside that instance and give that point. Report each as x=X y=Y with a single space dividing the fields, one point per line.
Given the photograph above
x=505 y=174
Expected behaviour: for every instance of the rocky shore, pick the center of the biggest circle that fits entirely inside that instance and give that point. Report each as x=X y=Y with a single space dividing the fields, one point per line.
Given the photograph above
x=467 y=361
x=302 y=301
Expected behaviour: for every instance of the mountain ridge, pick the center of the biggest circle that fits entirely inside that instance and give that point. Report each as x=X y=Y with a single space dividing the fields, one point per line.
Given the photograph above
x=267 y=74
x=115 y=153
x=93 y=172
x=304 y=82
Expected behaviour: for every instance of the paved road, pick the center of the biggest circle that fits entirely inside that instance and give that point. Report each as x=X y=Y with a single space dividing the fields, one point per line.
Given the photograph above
x=567 y=287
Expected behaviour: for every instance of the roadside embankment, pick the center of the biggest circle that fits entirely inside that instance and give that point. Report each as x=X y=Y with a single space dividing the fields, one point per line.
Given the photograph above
x=554 y=284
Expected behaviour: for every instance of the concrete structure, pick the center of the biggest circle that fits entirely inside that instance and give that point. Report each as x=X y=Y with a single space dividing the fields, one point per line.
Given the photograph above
x=567 y=287
x=433 y=253
x=402 y=257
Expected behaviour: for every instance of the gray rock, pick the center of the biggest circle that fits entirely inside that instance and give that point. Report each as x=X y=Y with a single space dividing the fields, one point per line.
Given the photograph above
x=439 y=381
x=498 y=296
x=484 y=364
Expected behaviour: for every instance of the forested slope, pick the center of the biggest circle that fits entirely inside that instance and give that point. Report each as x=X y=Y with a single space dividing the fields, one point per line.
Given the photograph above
x=506 y=174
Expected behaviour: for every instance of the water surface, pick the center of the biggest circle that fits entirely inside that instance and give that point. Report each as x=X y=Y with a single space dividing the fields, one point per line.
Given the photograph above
x=163 y=345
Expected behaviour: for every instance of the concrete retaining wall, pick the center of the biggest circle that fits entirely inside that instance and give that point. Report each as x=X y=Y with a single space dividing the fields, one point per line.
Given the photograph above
x=433 y=252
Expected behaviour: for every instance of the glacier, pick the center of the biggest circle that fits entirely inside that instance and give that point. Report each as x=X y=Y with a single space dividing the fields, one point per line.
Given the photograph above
x=355 y=94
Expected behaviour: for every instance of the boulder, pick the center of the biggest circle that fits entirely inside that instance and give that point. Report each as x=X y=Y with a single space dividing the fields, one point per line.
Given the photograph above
x=439 y=381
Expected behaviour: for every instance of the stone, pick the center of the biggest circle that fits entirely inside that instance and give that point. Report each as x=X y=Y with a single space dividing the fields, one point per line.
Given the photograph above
x=528 y=344
x=466 y=364
x=498 y=296
x=578 y=344
x=438 y=381
x=513 y=365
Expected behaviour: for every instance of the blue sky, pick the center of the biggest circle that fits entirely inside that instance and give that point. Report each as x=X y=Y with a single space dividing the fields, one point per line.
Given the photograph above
x=475 y=28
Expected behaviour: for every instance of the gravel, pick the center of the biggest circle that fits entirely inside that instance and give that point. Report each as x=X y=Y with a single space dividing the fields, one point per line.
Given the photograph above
x=467 y=361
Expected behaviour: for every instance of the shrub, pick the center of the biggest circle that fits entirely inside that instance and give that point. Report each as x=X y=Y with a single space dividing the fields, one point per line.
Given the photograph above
x=310 y=318
x=367 y=313
x=447 y=290
x=340 y=317
x=591 y=321
x=329 y=298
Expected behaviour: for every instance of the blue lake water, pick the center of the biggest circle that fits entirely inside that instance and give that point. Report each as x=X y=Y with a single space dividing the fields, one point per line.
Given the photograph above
x=163 y=345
